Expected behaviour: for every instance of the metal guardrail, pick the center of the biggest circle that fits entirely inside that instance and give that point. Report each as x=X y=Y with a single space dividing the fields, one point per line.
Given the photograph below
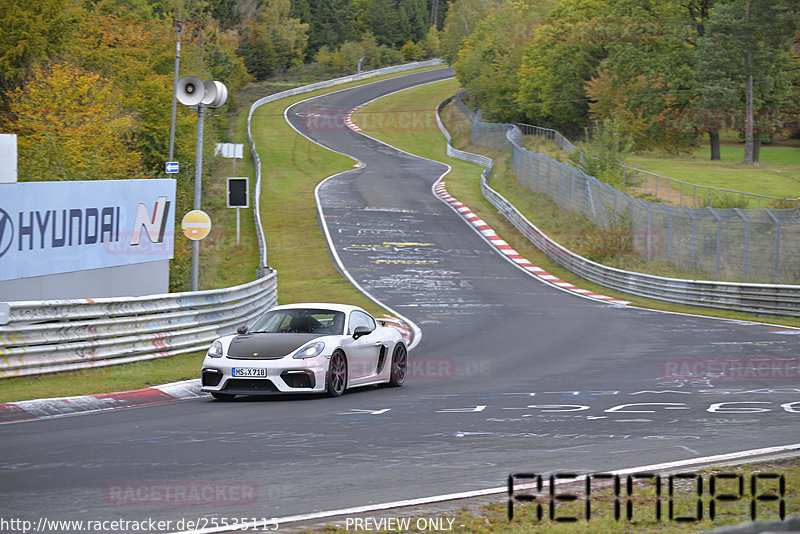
x=770 y=299
x=39 y=337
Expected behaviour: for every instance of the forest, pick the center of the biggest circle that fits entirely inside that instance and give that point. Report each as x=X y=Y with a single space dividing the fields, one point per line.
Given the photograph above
x=657 y=74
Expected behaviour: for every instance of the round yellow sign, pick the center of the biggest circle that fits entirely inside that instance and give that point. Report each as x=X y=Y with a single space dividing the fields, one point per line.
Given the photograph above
x=196 y=225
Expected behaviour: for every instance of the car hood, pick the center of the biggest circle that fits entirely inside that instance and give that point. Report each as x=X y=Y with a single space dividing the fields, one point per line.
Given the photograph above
x=266 y=346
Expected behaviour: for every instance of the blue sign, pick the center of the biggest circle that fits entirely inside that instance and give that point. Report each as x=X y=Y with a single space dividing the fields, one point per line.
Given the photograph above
x=171 y=167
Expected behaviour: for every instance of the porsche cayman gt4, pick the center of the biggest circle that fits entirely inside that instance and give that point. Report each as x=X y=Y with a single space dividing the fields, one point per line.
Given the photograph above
x=306 y=348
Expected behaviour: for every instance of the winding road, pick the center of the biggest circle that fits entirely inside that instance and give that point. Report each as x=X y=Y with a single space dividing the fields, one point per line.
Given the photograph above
x=511 y=375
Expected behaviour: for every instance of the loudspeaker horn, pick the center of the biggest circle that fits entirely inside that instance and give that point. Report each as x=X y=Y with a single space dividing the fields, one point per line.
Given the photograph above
x=190 y=90
x=216 y=94
x=210 y=92
x=222 y=95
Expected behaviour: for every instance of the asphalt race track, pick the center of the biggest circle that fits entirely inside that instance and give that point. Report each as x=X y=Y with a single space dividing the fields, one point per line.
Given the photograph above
x=511 y=375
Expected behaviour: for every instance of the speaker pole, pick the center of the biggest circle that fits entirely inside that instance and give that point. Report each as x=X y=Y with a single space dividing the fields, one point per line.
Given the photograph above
x=198 y=193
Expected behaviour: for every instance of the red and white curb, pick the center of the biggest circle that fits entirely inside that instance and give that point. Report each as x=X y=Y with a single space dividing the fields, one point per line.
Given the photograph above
x=507 y=250
x=348 y=120
x=14 y=412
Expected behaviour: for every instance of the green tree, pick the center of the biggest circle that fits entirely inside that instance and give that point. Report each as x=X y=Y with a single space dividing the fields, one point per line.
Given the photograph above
x=431 y=42
x=646 y=80
x=33 y=32
x=743 y=63
x=560 y=59
x=488 y=62
x=383 y=20
x=411 y=51
x=289 y=35
x=413 y=19
x=257 y=52
x=331 y=22
x=462 y=18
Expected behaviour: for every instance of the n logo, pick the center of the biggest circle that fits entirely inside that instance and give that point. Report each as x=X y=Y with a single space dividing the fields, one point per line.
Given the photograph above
x=155 y=225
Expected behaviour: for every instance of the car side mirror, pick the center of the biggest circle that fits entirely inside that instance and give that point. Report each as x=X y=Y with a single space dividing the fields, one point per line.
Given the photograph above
x=361 y=331
x=241 y=330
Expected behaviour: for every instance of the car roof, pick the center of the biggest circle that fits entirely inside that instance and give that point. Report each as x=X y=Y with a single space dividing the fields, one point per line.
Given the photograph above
x=346 y=308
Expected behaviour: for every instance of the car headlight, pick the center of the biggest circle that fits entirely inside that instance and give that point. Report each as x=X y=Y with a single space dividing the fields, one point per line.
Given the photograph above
x=215 y=350
x=310 y=351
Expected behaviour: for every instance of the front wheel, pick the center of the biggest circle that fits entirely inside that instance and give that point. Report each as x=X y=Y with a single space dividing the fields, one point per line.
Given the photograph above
x=399 y=365
x=336 y=379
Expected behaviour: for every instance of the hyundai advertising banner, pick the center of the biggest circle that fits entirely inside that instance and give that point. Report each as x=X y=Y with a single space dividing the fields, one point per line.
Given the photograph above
x=58 y=227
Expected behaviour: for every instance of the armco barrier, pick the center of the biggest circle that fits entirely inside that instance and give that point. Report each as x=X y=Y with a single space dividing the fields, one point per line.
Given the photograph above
x=39 y=337
x=769 y=299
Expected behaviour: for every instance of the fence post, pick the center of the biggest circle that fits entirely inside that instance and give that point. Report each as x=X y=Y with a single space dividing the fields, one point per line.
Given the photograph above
x=694 y=235
x=746 y=242
x=777 y=253
x=560 y=202
x=719 y=238
x=669 y=231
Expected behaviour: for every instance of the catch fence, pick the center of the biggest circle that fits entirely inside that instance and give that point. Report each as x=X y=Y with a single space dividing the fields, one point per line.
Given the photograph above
x=735 y=244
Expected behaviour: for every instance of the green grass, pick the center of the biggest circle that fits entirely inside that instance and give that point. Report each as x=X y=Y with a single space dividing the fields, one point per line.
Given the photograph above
x=493 y=518
x=463 y=182
x=291 y=168
x=776 y=175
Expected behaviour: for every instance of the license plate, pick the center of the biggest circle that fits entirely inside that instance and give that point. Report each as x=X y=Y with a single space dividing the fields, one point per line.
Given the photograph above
x=249 y=371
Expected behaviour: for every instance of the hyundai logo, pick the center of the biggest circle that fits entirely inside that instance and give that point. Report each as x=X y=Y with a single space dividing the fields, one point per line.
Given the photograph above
x=6 y=232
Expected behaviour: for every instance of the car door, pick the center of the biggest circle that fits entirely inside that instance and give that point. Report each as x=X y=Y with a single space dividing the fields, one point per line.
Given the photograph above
x=362 y=353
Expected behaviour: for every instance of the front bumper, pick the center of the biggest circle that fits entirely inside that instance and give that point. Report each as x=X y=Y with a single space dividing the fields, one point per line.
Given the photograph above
x=285 y=375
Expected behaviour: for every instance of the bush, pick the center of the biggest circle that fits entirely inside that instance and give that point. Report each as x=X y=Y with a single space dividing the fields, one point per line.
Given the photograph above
x=411 y=51
x=603 y=155
x=724 y=201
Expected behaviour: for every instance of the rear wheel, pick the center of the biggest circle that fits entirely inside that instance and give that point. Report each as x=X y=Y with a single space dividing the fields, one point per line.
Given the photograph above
x=336 y=379
x=399 y=365
x=222 y=396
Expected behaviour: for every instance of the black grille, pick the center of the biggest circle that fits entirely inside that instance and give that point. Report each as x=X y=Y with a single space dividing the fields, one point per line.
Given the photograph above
x=250 y=385
x=302 y=379
x=211 y=378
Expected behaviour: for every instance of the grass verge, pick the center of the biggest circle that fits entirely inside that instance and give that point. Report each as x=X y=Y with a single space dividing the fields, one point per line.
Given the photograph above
x=776 y=175
x=292 y=166
x=683 y=503
x=419 y=135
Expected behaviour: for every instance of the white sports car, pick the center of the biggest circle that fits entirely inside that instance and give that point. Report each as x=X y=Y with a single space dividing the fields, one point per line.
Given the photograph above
x=305 y=348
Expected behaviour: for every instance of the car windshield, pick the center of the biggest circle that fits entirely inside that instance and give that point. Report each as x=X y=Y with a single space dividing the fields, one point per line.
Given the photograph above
x=305 y=320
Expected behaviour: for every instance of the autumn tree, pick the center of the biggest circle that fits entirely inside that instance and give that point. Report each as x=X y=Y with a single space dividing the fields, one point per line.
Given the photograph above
x=646 y=81
x=71 y=127
x=33 y=32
